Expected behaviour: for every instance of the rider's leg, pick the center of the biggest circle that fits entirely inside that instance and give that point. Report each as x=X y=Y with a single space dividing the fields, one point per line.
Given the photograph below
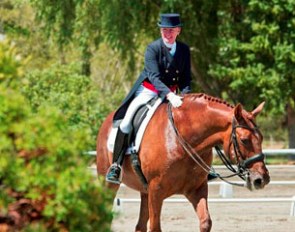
x=121 y=144
x=142 y=96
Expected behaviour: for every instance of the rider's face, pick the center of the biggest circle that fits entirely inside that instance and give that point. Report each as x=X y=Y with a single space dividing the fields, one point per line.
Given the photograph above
x=169 y=35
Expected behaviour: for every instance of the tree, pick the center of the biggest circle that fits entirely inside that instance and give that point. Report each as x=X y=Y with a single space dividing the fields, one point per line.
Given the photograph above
x=256 y=57
x=18 y=24
x=71 y=20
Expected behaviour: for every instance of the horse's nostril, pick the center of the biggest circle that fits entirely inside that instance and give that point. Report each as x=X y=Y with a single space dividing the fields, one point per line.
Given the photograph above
x=258 y=183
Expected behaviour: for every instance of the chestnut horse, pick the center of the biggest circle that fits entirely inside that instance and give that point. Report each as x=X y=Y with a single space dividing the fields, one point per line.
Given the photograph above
x=172 y=144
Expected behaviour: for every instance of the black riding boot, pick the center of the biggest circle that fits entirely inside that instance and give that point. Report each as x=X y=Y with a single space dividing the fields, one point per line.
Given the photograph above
x=114 y=172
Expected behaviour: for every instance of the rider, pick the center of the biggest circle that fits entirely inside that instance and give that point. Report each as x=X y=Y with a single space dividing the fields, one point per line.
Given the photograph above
x=167 y=69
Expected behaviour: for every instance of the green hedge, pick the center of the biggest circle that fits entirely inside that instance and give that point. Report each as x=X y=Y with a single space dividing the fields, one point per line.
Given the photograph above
x=45 y=126
x=73 y=94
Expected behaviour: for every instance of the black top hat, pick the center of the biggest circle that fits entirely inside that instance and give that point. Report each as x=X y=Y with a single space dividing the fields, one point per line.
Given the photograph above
x=169 y=20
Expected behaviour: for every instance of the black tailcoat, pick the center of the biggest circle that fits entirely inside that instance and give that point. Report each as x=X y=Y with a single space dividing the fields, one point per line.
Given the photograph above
x=162 y=70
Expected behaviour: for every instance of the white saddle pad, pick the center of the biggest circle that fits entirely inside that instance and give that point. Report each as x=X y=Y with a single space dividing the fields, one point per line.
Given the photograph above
x=140 y=133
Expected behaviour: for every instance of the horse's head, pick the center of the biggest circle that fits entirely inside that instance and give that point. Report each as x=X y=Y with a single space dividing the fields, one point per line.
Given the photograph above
x=245 y=147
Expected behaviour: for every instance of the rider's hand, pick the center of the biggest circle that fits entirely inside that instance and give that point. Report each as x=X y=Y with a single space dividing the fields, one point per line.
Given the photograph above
x=174 y=99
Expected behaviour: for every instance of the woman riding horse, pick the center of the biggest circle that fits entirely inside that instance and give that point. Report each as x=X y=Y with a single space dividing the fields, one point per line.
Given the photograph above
x=167 y=68
x=176 y=155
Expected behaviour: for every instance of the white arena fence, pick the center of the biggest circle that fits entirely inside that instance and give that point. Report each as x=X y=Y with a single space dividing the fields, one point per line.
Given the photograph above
x=267 y=152
x=226 y=190
x=118 y=201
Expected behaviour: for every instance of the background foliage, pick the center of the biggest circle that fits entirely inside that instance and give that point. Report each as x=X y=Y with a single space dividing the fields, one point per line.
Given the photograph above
x=240 y=49
x=73 y=94
x=43 y=174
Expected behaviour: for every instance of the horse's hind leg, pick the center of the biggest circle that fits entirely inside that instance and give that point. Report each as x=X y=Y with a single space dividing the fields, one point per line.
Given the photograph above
x=143 y=214
x=198 y=198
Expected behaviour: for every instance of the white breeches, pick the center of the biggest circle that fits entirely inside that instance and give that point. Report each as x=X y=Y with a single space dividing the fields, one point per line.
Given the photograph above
x=142 y=96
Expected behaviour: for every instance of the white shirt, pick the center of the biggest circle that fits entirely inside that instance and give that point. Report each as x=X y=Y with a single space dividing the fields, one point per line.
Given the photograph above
x=172 y=48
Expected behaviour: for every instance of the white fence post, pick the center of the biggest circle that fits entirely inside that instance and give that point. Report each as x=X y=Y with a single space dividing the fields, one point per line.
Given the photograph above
x=292 y=211
x=118 y=206
x=226 y=190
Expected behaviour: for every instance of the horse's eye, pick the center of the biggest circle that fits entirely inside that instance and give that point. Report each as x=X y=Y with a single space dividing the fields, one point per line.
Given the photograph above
x=245 y=141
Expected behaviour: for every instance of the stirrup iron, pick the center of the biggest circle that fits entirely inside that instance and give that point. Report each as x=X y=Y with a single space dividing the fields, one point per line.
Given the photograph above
x=114 y=180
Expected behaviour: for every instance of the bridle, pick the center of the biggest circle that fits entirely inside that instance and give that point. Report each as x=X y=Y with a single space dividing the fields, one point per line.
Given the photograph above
x=242 y=169
x=244 y=164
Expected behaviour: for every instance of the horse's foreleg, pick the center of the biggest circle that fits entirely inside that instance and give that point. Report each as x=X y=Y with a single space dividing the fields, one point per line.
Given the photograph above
x=143 y=214
x=155 y=201
x=198 y=198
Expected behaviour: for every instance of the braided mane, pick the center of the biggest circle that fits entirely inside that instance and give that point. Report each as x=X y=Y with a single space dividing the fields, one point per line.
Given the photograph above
x=196 y=96
x=214 y=100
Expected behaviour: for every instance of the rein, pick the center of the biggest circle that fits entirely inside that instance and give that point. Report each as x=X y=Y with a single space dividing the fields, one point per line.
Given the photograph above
x=242 y=170
x=187 y=147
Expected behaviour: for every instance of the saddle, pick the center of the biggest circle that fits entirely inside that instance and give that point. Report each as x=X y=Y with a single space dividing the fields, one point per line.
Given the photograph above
x=139 y=117
x=139 y=124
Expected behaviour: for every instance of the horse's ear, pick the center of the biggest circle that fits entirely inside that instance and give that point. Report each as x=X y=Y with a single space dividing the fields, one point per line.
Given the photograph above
x=238 y=112
x=258 y=109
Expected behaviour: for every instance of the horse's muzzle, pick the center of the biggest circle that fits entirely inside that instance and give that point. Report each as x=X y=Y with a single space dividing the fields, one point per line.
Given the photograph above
x=258 y=179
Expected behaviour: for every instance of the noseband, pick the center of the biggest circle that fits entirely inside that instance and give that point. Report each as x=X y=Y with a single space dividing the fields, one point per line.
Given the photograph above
x=242 y=164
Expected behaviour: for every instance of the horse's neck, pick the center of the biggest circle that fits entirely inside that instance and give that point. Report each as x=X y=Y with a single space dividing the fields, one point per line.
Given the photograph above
x=205 y=127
